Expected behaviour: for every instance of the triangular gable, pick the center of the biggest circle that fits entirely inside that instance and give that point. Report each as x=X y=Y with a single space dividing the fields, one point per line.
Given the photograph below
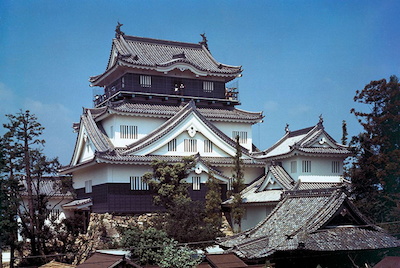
x=90 y=140
x=190 y=122
x=276 y=179
x=270 y=183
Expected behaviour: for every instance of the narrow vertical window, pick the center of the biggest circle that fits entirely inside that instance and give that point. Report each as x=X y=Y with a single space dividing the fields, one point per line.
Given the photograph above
x=112 y=132
x=306 y=166
x=208 y=146
x=242 y=136
x=145 y=81
x=137 y=184
x=208 y=86
x=335 y=167
x=172 y=146
x=196 y=181
x=88 y=186
x=230 y=182
x=190 y=145
x=128 y=132
x=293 y=166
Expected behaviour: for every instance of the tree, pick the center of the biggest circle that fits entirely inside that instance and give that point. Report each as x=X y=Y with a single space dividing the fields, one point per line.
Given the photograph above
x=8 y=210
x=26 y=163
x=375 y=172
x=184 y=219
x=167 y=181
x=238 y=185
x=344 y=132
x=213 y=209
x=154 y=247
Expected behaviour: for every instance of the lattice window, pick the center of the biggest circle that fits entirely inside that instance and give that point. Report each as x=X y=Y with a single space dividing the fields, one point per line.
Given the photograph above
x=88 y=186
x=208 y=146
x=306 y=166
x=242 y=136
x=196 y=183
x=230 y=182
x=190 y=145
x=145 y=81
x=335 y=166
x=293 y=166
x=172 y=146
x=208 y=86
x=137 y=184
x=128 y=132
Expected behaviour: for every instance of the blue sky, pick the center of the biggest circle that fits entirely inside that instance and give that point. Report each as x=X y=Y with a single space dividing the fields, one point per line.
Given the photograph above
x=300 y=58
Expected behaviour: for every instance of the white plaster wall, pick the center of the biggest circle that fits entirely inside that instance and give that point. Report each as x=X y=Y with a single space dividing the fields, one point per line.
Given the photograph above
x=254 y=215
x=228 y=127
x=99 y=174
x=145 y=126
x=321 y=166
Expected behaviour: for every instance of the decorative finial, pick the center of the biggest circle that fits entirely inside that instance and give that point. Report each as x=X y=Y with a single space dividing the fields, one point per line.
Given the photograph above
x=118 y=31
x=321 y=121
x=287 y=128
x=204 y=41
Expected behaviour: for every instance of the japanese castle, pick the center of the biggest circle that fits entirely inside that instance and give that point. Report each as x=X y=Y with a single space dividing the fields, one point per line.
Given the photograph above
x=164 y=100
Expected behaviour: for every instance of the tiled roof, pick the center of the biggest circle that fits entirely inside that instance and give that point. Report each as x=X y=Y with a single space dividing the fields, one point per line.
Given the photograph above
x=115 y=157
x=50 y=186
x=304 y=140
x=167 y=111
x=282 y=176
x=153 y=54
x=97 y=135
x=301 y=221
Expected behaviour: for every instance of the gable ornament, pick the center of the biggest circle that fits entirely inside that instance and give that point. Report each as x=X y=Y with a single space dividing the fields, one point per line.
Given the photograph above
x=192 y=130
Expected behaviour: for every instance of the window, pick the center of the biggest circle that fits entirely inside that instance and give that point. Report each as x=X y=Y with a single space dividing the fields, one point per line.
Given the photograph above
x=196 y=183
x=112 y=132
x=306 y=166
x=128 y=132
x=293 y=166
x=230 y=182
x=208 y=86
x=190 y=145
x=335 y=167
x=172 y=146
x=145 y=81
x=208 y=146
x=138 y=184
x=242 y=136
x=88 y=186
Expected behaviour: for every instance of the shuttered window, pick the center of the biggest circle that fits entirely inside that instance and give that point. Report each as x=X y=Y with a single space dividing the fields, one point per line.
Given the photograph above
x=196 y=183
x=138 y=184
x=190 y=145
x=128 y=132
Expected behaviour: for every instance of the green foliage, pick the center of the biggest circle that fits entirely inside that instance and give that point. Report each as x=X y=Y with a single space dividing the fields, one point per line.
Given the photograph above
x=24 y=161
x=375 y=172
x=154 y=247
x=344 y=132
x=185 y=222
x=238 y=185
x=213 y=209
x=167 y=181
x=184 y=219
x=175 y=256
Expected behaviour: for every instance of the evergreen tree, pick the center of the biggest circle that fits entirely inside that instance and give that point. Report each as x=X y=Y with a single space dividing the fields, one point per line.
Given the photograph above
x=26 y=163
x=8 y=209
x=237 y=185
x=375 y=173
x=213 y=209
x=167 y=181
x=344 y=132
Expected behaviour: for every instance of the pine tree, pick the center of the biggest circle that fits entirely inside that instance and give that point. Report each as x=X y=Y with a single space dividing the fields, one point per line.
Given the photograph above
x=237 y=185
x=25 y=161
x=375 y=173
x=344 y=132
x=213 y=209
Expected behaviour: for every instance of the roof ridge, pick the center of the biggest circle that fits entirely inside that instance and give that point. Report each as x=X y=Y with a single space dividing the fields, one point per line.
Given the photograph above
x=161 y=41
